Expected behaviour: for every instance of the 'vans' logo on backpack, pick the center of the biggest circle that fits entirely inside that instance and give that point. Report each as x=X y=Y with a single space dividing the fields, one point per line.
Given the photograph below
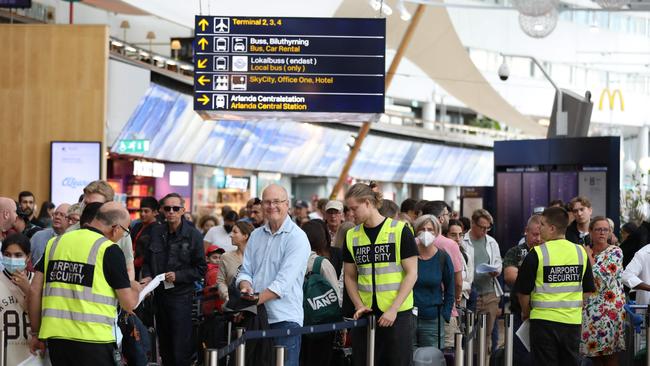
x=324 y=300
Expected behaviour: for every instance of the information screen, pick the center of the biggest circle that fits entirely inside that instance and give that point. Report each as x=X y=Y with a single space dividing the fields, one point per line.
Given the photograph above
x=266 y=64
x=15 y=3
x=73 y=166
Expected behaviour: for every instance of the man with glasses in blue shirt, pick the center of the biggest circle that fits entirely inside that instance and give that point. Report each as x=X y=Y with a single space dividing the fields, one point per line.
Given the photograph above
x=176 y=249
x=274 y=267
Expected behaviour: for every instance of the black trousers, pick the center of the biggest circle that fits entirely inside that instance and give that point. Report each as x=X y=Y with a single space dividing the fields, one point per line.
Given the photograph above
x=174 y=326
x=317 y=349
x=554 y=343
x=393 y=345
x=520 y=356
x=72 y=353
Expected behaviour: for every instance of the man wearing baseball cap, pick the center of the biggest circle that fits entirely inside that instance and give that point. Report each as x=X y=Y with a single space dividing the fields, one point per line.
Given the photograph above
x=301 y=212
x=333 y=217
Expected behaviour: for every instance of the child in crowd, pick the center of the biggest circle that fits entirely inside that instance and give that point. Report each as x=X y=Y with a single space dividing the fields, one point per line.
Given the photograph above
x=211 y=300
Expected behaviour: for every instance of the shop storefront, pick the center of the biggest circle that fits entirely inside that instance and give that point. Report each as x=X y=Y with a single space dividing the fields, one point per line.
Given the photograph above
x=215 y=188
x=133 y=179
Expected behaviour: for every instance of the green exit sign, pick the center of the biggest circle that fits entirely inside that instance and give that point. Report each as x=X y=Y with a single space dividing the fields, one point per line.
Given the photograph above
x=133 y=146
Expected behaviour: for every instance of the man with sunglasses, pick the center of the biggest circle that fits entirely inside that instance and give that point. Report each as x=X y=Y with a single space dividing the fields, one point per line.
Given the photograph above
x=176 y=249
x=485 y=251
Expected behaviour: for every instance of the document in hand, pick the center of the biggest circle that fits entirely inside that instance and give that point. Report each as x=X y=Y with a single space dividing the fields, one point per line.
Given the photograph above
x=524 y=334
x=150 y=287
x=486 y=268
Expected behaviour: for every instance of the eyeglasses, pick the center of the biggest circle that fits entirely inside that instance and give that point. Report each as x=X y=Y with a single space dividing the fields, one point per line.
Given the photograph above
x=603 y=230
x=73 y=220
x=127 y=232
x=274 y=203
x=484 y=228
x=169 y=208
x=59 y=214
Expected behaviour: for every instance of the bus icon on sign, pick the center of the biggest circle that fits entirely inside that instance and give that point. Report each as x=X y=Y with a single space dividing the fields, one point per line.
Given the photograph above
x=220 y=63
x=239 y=44
x=220 y=44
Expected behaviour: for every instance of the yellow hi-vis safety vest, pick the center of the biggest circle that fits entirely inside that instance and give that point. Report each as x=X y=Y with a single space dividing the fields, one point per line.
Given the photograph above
x=78 y=304
x=384 y=256
x=557 y=295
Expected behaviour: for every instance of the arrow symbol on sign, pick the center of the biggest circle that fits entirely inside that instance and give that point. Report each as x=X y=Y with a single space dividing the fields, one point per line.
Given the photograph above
x=204 y=99
x=203 y=42
x=203 y=80
x=201 y=64
x=203 y=23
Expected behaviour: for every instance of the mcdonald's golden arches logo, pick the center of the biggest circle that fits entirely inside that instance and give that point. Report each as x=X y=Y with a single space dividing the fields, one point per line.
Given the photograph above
x=612 y=99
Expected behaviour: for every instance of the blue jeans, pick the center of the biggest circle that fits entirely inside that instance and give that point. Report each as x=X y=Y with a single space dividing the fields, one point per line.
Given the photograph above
x=427 y=333
x=291 y=343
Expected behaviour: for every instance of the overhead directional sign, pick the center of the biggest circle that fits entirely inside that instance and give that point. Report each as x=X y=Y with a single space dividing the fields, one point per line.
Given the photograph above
x=264 y=64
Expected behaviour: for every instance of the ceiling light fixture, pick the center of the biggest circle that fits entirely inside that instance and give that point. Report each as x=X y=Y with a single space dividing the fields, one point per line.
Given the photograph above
x=539 y=26
x=403 y=12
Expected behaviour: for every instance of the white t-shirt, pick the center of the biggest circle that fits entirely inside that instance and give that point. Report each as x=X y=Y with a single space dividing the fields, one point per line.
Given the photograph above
x=217 y=235
x=15 y=315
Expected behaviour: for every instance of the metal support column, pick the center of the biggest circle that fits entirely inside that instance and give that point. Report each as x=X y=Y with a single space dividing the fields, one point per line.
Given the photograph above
x=365 y=128
x=240 y=353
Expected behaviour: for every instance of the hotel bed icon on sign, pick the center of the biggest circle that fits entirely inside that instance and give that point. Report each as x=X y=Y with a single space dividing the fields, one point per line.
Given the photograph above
x=220 y=101
x=238 y=82
x=220 y=82
x=221 y=25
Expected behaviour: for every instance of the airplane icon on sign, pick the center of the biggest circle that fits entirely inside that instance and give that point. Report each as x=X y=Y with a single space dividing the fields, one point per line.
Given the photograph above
x=223 y=25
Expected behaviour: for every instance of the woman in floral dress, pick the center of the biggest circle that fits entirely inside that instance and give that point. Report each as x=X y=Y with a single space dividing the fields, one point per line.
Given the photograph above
x=603 y=314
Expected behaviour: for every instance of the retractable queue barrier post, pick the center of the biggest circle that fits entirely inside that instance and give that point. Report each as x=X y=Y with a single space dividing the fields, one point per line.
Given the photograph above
x=211 y=357
x=3 y=348
x=240 y=353
x=469 y=338
x=279 y=355
x=647 y=336
x=509 y=322
x=458 y=344
x=482 y=339
x=370 y=356
x=229 y=338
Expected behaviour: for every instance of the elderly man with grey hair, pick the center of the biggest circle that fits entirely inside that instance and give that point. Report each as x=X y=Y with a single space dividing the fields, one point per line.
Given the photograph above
x=59 y=225
x=76 y=288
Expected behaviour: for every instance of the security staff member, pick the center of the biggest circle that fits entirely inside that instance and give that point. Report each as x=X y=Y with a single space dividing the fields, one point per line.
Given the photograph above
x=552 y=281
x=380 y=258
x=81 y=277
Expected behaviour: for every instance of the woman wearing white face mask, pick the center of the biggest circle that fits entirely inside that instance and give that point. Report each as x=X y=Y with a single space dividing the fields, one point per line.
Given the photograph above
x=14 y=287
x=434 y=290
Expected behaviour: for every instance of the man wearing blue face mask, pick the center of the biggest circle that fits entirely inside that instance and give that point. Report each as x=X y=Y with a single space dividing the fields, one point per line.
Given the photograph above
x=14 y=287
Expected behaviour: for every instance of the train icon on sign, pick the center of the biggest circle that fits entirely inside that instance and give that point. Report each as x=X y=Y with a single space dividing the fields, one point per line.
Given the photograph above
x=220 y=101
x=220 y=44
